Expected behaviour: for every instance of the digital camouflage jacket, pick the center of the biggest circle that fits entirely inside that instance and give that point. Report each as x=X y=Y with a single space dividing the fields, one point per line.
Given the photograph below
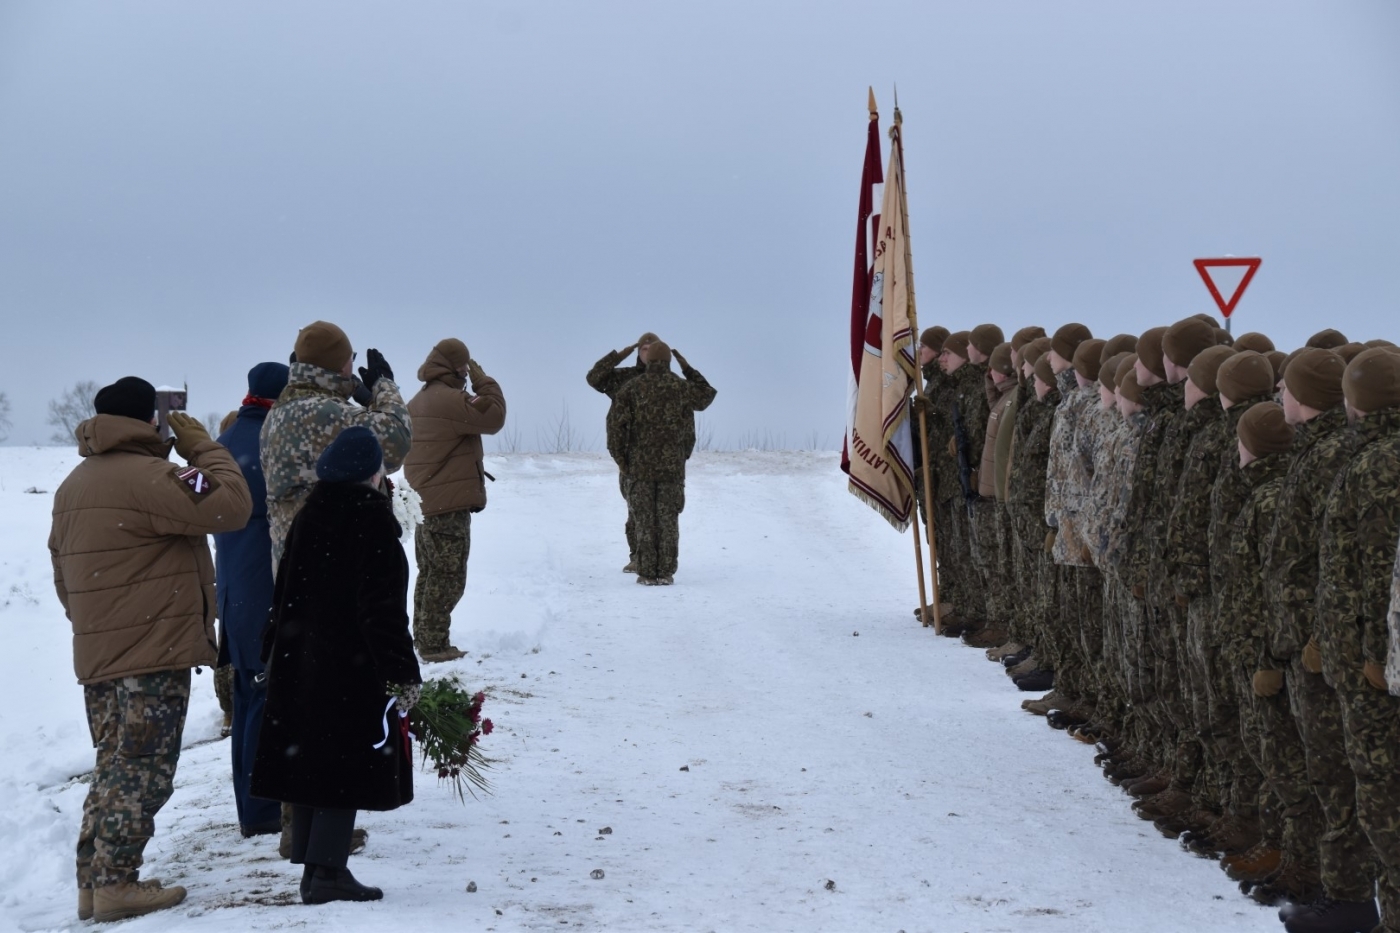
x=1244 y=612
x=651 y=429
x=1159 y=402
x=1227 y=495
x=1026 y=492
x=1070 y=470
x=1112 y=484
x=1188 y=525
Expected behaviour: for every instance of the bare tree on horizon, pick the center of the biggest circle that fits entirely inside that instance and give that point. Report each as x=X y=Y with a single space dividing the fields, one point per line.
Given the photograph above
x=71 y=409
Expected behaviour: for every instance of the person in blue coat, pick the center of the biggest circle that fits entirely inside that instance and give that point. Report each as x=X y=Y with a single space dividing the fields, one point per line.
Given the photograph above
x=243 y=566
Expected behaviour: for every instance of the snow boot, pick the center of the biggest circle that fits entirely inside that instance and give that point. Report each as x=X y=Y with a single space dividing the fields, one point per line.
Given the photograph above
x=988 y=637
x=1193 y=820
x=666 y=580
x=1294 y=883
x=954 y=626
x=1024 y=666
x=1166 y=803
x=439 y=655
x=631 y=567
x=1035 y=681
x=1147 y=786
x=1003 y=651
x=1252 y=867
x=646 y=581
x=1329 y=916
x=1119 y=773
x=1229 y=835
x=85 y=903
x=1052 y=700
x=132 y=899
x=336 y=884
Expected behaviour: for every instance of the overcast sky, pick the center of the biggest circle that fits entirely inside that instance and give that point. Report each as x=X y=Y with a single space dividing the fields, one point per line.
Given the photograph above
x=184 y=185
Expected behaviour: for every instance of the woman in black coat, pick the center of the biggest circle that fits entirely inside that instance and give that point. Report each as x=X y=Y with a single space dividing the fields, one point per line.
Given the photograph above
x=338 y=651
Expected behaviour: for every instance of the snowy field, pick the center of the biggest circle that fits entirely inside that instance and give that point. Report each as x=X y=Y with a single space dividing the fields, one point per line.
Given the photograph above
x=771 y=744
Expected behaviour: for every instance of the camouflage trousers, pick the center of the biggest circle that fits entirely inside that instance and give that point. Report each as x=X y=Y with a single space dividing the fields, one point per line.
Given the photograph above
x=1216 y=725
x=223 y=688
x=1371 y=720
x=1252 y=794
x=1344 y=852
x=1045 y=611
x=956 y=547
x=991 y=554
x=1081 y=614
x=1023 y=621
x=136 y=725
x=442 y=545
x=1285 y=768
x=624 y=484
x=656 y=511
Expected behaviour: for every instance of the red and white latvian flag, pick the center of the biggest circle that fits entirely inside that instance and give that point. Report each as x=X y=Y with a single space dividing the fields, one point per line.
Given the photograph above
x=879 y=450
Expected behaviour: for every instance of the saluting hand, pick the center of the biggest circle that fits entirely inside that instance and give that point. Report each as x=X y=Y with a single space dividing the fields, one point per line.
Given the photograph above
x=189 y=433
x=680 y=359
x=475 y=372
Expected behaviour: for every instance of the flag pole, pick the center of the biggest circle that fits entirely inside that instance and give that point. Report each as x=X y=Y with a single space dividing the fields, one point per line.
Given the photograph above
x=898 y=134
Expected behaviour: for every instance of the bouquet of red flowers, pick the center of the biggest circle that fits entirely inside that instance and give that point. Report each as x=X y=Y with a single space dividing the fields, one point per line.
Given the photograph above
x=447 y=724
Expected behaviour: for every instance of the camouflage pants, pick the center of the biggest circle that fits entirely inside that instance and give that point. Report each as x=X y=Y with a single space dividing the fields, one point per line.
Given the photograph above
x=1049 y=646
x=442 y=545
x=624 y=484
x=989 y=554
x=1251 y=766
x=1071 y=678
x=1024 y=573
x=1344 y=852
x=1286 y=771
x=954 y=585
x=136 y=725
x=1371 y=719
x=656 y=510
x=1082 y=609
x=223 y=688
x=1216 y=726
x=956 y=547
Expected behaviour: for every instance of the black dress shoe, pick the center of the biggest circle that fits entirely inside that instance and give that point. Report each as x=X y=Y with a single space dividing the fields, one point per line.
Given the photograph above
x=336 y=884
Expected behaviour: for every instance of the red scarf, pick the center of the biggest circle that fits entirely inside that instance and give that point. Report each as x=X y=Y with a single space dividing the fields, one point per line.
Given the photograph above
x=260 y=402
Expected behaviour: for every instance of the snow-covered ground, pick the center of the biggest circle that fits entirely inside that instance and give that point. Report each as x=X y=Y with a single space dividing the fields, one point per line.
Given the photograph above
x=771 y=744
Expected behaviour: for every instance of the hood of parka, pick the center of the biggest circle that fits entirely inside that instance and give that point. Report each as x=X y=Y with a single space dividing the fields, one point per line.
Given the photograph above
x=437 y=368
x=102 y=434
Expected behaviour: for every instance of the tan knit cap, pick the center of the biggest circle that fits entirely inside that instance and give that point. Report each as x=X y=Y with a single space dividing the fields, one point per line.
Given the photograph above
x=1372 y=380
x=1208 y=319
x=1044 y=371
x=1206 y=366
x=1223 y=338
x=1314 y=377
x=454 y=351
x=1378 y=342
x=1264 y=430
x=1127 y=383
x=1108 y=370
x=1149 y=351
x=1068 y=338
x=1276 y=359
x=647 y=338
x=956 y=344
x=659 y=352
x=1328 y=339
x=1000 y=360
x=1245 y=375
x=933 y=337
x=1254 y=341
x=1184 y=339
x=1025 y=335
x=1349 y=351
x=985 y=338
x=323 y=344
x=1035 y=350
x=1088 y=357
x=1118 y=343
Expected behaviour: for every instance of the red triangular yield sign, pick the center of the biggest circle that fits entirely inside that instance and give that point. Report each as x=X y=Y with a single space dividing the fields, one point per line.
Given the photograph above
x=1203 y=266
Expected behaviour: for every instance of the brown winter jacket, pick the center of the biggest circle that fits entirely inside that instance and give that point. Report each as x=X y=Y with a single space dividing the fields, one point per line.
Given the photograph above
x=987 y=475
x=130 y=559
x=445 y=464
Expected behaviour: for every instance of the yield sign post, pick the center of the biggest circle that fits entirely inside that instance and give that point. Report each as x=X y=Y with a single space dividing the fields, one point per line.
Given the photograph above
x=1227 y=307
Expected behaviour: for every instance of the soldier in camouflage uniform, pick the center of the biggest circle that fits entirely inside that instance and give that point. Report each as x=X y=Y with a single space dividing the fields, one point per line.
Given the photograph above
x=651 y=434
x=1357 y=556
x=994 y=538
x=313 y=410
x=1313 y=401
x=930 y=343
x=962 y=386
x=608 y=376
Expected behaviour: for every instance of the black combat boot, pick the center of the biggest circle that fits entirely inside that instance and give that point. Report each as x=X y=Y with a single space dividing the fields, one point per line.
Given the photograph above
x=1329 y=916
x=336 y=884
x=1036 y=681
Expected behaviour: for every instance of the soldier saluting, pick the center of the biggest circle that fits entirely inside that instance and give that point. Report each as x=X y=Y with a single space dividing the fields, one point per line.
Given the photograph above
x=608 y=377
x=651 y=434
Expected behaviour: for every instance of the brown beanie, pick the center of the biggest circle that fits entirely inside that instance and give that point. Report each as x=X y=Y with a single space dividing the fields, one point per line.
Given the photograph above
x=1328 y=339
x=1372 y=380
x=1276 y=359
x=1206 y=366
x=1208 y=319
x=1184 y=339
x=1149 y=351
x=985 y=338
x=1000 y=360
x=1044 y=371
x=956 y=344
x=455 y=352
x=1119 y=343
x=1035 y=350
x=1314 y=377
x=1378 y=342
x=1088 y=357
x=1349 y=351
x=1025 y=335
x=1245 y=375
x=1067 y=340
x=1254 y=341
x=323 y=344
x=1108 y=370
x=647 y=338
x=1127 y=383
x=1223 y=338
x=659 y=352
x=1264 y=430
x=933 y=337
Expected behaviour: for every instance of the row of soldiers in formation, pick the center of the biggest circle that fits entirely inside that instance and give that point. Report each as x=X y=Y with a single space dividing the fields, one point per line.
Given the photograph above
x=1192 y=540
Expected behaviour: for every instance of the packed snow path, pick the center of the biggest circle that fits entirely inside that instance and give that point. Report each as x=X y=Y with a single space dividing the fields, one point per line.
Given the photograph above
x=724 y=754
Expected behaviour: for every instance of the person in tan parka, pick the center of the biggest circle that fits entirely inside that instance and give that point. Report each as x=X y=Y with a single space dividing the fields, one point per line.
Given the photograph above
x=445 y=467
x=133 y=572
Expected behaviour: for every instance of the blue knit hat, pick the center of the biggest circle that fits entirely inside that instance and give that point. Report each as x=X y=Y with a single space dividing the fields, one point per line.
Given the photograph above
x=267 y=380
x=353 y=457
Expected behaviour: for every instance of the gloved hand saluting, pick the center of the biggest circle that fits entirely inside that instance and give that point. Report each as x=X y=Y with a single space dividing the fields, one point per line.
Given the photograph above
x=189 y=434
x=680 y=360
x=378 y=367
x=361 y=393
x=476 y=373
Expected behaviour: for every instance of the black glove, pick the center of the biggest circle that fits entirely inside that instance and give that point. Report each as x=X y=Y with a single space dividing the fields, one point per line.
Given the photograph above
x=378 y=367
x=361 y=392
x=293 y=358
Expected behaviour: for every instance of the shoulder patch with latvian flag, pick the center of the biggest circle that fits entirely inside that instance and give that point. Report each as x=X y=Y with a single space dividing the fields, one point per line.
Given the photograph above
x=195 y=482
